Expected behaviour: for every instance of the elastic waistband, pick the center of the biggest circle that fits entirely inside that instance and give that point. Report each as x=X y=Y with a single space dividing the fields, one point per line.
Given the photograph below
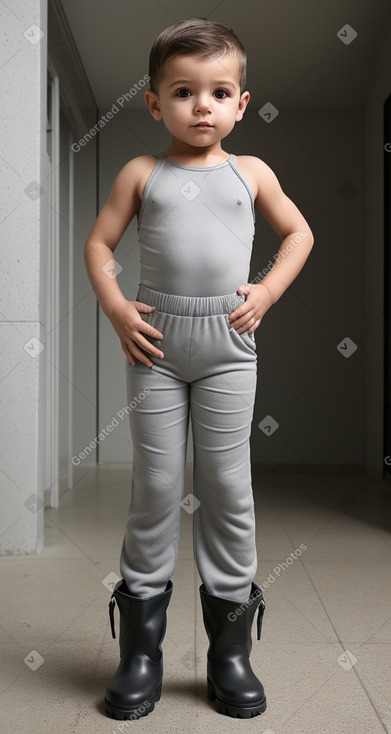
x=189 y=305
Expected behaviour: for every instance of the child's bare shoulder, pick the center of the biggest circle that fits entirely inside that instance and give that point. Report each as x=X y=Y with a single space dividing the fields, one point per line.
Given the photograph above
x=136 y=172
x=257 y=172
x=255 y=165
x=141 y=162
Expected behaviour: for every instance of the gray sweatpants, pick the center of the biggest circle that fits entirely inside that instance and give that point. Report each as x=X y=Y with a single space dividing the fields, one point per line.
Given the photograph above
x=208 y=373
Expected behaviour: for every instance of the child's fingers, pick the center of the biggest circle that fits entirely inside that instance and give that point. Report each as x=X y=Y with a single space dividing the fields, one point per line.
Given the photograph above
x=246 y=320
x=137 y=349
x=141 y=357
x=135 y=354
x=240 y=315
x=148 y=347
x=156 y=334
x=143 y=307
x=254 y=328
x=152 y=331
x=147 y=330
x=128 y=354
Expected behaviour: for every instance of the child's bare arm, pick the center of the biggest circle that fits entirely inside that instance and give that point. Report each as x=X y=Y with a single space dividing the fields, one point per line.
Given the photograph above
x=297 y=241
x=107 y=230
x=286 y=219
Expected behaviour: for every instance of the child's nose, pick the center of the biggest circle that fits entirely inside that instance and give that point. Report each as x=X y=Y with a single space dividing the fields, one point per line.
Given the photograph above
x=202 y=103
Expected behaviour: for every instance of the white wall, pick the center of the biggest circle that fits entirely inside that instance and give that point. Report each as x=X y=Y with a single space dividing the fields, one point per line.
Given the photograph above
x=315 y=394
x=23 y=198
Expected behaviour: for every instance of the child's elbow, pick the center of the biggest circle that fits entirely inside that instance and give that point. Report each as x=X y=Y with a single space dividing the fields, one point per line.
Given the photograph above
x=308 y=236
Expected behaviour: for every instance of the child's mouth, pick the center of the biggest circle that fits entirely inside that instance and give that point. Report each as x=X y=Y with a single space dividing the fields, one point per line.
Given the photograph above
x=203 y=124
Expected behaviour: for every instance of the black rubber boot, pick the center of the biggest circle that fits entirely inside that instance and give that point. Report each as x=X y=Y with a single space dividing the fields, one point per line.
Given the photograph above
x=232 y=684
x=137 y=684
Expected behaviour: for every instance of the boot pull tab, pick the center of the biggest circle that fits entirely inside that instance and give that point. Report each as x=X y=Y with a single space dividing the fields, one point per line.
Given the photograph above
x=111 y=615
x=261 y=610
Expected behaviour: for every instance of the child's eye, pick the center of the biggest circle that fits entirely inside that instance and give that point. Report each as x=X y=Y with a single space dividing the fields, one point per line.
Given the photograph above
x=184 y=93
x=221 y=93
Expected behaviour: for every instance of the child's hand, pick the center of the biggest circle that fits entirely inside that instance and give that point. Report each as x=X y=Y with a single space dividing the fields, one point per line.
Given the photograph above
x=248 y=316
x=125 y=319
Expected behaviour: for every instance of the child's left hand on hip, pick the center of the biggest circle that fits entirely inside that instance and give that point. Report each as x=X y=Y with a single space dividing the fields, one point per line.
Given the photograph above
x=248 y=316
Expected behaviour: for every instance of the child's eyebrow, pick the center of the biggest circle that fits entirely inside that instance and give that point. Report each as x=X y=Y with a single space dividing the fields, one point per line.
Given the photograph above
x=180 y=81
x=223 y=83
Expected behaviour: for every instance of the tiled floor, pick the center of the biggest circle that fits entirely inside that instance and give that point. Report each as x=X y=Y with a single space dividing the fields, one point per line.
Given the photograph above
x=335 y=597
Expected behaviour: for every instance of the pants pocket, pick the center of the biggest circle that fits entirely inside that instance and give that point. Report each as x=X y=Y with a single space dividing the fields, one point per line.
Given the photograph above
x=248 y=341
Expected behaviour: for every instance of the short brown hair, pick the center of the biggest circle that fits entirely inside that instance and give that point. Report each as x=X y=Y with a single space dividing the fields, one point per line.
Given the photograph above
x=201 y=36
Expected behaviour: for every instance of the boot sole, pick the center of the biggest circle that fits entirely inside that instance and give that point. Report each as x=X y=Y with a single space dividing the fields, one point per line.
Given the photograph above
x=235 y=711
x=124 y=712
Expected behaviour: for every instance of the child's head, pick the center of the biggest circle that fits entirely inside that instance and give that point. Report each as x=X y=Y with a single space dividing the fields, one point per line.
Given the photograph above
x=197 y=77
x=200 y=36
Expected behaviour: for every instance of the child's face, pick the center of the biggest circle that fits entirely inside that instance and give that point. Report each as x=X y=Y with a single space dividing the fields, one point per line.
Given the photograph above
x=195 y=90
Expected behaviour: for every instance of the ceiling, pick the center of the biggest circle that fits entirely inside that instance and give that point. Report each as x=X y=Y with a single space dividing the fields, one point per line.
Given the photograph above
x=295 y=58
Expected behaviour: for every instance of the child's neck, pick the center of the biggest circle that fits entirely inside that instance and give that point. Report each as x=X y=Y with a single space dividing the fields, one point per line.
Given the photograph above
x=185 y=154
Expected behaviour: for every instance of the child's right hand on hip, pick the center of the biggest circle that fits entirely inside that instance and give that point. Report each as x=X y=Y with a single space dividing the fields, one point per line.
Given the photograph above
x=129 y=326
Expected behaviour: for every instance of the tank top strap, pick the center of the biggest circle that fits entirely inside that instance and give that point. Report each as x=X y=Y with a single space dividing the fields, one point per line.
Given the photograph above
x=233 y=162
x=161 y=159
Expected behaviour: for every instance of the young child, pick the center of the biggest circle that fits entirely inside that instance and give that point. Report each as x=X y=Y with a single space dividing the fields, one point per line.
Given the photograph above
x=190 y=352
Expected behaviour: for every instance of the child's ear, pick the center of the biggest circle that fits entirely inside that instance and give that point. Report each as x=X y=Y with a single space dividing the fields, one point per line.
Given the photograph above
x=152 y=101
x=243 y=102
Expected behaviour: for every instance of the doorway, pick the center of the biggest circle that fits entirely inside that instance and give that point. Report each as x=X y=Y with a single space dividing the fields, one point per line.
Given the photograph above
x=387 y=291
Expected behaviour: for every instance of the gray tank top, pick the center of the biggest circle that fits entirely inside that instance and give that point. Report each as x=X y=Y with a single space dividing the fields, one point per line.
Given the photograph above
x=196 y=229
